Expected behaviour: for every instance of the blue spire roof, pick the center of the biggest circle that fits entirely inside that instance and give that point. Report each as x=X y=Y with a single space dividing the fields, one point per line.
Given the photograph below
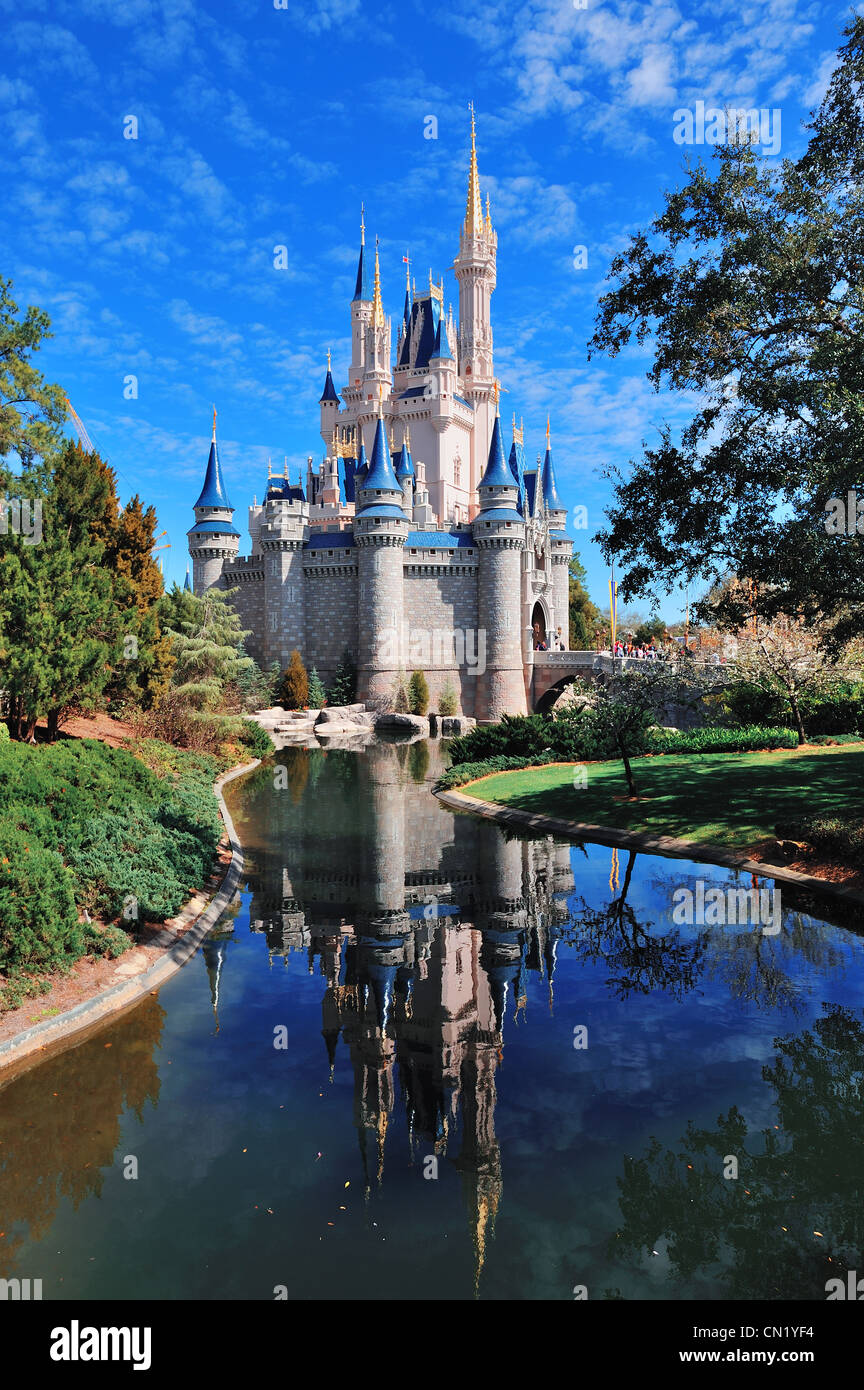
x=362 y=465
x=497 y=469
x=550 y=491
x=404 y=464
x=380 y=475
x=213 y=493
x=329 y=393
x=442 y=342
x=188 y=584
x=363 y=287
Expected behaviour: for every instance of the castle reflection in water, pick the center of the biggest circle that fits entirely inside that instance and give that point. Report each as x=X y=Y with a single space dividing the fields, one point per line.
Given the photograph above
x=424 y=927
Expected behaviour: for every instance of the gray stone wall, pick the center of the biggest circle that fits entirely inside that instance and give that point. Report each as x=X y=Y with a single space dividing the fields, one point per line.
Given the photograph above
x=330 y=610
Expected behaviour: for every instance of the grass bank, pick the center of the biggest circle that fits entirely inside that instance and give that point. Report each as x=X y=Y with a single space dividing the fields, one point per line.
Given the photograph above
x=732 y=799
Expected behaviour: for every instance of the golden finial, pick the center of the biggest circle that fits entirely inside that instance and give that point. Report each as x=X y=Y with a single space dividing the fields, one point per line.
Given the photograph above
x=214 y=422
x=474 y=204
x=328 y=359
x=377 y=306
x=496 y=387
x=380 y=401
x=362 y=224
x=547 y=431
x=408 y=437
x=269 y=469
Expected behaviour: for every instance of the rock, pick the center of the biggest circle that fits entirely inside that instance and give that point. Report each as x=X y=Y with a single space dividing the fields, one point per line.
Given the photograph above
x=453 y=725
x=413 y=723
x=344 y=715
x=433 y=725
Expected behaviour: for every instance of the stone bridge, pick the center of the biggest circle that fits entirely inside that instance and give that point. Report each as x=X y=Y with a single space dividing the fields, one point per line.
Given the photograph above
x=553 y=671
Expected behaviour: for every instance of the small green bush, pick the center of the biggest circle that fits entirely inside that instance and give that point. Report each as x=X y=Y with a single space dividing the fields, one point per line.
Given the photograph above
x=448 y=701
x=418 y=693
x=831 y=836
x=256 y=739
x=469 y=772
x=4 y=732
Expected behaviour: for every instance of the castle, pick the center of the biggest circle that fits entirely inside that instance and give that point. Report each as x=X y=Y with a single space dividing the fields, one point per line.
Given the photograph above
x=416 y=543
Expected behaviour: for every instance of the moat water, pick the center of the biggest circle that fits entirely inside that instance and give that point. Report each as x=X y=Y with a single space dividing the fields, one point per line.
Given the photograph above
x=421 y=1060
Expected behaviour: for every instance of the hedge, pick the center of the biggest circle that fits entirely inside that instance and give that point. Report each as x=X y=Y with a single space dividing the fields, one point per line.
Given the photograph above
x=834 y=837
x=82 y=826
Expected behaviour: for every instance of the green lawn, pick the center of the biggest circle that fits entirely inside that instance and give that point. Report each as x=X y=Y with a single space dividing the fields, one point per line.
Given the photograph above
x=729 y=799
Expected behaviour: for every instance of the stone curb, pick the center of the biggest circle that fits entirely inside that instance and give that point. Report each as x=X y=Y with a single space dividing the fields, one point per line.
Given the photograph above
x=653 y=844
x=120 y=996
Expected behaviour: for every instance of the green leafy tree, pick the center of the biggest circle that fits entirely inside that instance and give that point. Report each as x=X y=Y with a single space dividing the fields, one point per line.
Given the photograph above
x=624 y=708
x=584 y=615
x=418 y=693
x=295 y=684
x=344 y=688
x=750 y=288
x=654 y=630
x=317 y=693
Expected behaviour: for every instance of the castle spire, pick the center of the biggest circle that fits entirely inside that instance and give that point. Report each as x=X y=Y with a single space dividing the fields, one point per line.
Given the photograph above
x=362 y=288
x=474 y=203
x=213 y=492
x=377 y=306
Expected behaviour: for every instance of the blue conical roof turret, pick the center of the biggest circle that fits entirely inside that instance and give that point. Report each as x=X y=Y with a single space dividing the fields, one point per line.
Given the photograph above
x=188 y=583
x=329 y=393
x=497 y=469
x=404 y=463
x=213 y=493
x=380 y=475
x=361 y=468
x=547 y=480
x=363 y=286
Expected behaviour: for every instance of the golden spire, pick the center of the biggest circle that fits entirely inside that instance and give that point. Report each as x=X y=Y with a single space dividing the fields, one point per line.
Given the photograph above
x=474 y=204
x=547 y=431
x=380 y=401
x=488 y=215
x=377 y=306
x=408 y=437
x=496 y=387
x=328 y=359
x=362 y=225
x=269 y=469
x=214 y=424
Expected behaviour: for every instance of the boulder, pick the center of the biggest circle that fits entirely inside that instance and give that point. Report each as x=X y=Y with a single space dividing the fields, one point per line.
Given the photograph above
x=345 y=716
x=410 y=723
x=454 y=725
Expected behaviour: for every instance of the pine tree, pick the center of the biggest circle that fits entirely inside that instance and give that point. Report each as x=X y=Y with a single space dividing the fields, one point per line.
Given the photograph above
x=343 y=691
x=143 y=674
x=400 y=694
x=317 y=693
x=207 y=643
x=418 y=693
x=448 y=700
x=295 y=684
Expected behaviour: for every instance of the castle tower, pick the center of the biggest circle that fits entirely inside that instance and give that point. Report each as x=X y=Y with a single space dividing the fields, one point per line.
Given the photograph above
x=361 y=312
x=380 y=531
x=499 y=533
x=213 y=539
x=405 y=475
x=561 y=546
x=281 y=535
x=329 y=406
x=377 y=378
x=474 y=268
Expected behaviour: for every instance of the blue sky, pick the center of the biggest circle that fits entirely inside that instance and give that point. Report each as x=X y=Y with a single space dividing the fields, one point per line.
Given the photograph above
x=261 y=127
